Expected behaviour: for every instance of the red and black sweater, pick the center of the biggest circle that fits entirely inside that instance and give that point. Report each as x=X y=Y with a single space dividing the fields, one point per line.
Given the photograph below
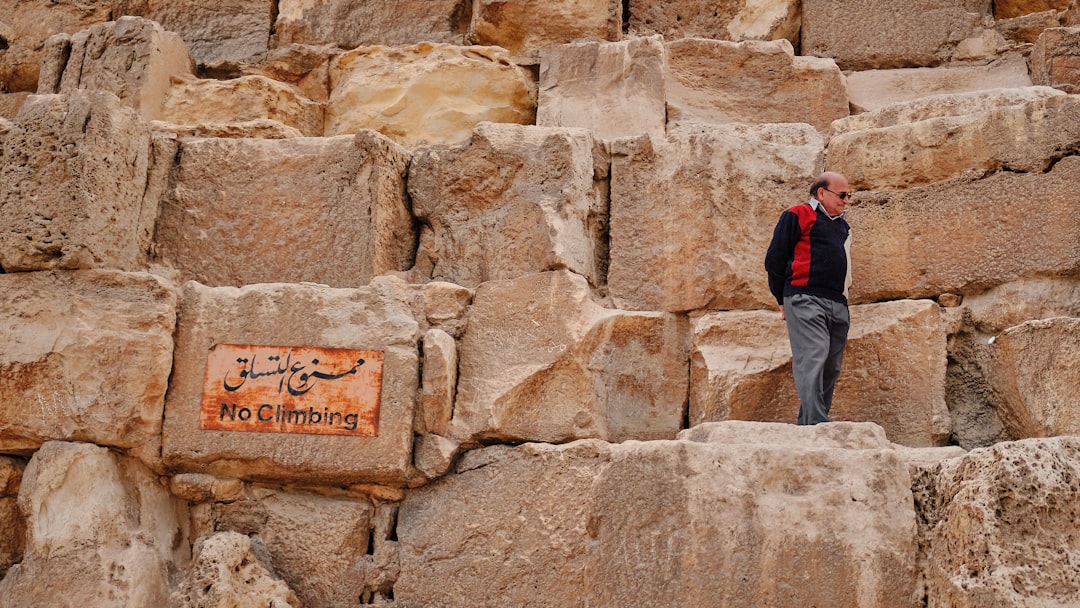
x=810 y=253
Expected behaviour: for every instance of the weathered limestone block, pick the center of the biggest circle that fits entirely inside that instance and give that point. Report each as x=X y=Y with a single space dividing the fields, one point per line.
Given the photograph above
x=375 y=317
x=1026 y=29
x=102 y=530
x=512 y=201
x=348 y=25
x=227 y=571
x=1005 y=9
x=865 y=35
x=132 y=57
x=899 y=236
x=1055 y=60
x=526 y=26
x=998 y=525
x=1004 y=306
x=614 y=89
x=73 y=174
x=260 y=128
x=10 y=104
x=224 y=30
x=444 y=306
x=726 y=20
x=196 y=101
x=682 y=523
x=1036 y=369
x=427 y=93
x=434 y=455
x=305 y=67
x=871 y=90
x=25 y=25
x=439 y=381
x=540 y=361
x=713 y=81
x=202 y=488
x=12 y=525
x=322 y=210
x=692 y=214
x=893 y=374
x=84 y=356
x=937 y=144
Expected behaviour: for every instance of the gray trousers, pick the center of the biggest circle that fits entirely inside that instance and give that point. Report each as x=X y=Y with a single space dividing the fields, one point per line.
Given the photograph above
x=817 y=329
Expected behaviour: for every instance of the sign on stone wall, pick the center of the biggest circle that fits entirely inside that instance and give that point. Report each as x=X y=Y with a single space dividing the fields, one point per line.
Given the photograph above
x=287 y=389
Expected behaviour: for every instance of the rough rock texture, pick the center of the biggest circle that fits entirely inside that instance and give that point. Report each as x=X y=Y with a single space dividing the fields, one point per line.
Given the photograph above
x=614 y=89
x=636 y=523
x=919 y=33
x=438 y=383
x=194 y=101
x=692 y=214
x=1055 y=60
x=526 y=26
x=427 y=93
x=713 y=81
x=323 y=210
x=998 y=526
x=12 y=525
x=305 y=67
x=540 y=361
x=1005 y=9
x=10 y=104
x=725 y=20
x=893 y=374
x=25 y=25
x=370 y=318
x=1002 y=307
x=84 y=356
x=227 y=571
x=74 y=170
x=224 y=30
x=101 y=531
x=512 y=201
x=348 y=25
x=132 y=57
x=899 y=235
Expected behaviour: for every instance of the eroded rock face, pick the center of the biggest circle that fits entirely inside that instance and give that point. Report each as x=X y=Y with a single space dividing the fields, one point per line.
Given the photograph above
x=998 y=526
x=513 y=201
x=725 y=20
x=25 y=25
x=525 y=26
x=227 y=571
x=689 y=522
x=102 y=530
x=539 y=361
x=1005 y=9
x=12 y=524
x=84 y=356
x=1055 y=60
x=324 y=210
x=349 y=25
x=225 y=30
x=195 y=101
x=692 y=214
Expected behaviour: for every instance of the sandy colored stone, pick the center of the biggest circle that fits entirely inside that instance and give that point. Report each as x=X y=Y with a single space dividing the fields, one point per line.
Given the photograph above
x=526 y=26
x=84 y=356
x=435 y=455
x=614 y=89
x=540 y=361
x=512 y=201
x=865 y=35
x=323 y=210
x=899 y=236
x=12 y=525
x=1005 y=9
x=713 y=81
x=101 y=530
x=686 y=523
x=375 y=317
x=262 y=128
x=726 y=20
x=227 y=571
x=445 y=305
x=25 y=25
x=73 y=174
x=348 y=25
x=893 y=372
x=692 y=214
x=305 y=67
x=1005 y=134
x=213 y=31
x=1001 y=307
x=1055 y=60
x=438 y=382
x=1026 y=29
x=132 y=57
x=998 y=526
x=196 y=101
x=11 y=103
x=427 y=93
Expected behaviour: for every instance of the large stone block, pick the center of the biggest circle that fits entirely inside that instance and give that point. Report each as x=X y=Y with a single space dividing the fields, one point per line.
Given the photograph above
x=539 y=361
x=132 y=57
x=725 y=20
x=25 y=25
x=375 y=317
x=227 y=571
x=526 y=26
x=1027 y=226
x=84 y=356
x=12 y=524
x=893 y=373
x=694 y=522
x=1005 y=9
x=998 y=526
x=73 y=174
x=225 y=30
x=427 y=93
x=348 y=25
x=196 y=101
x=101 y=531
x=920 y=33
x=614 y=89
x=512 y=201
x=692 y=214
x=322 y=210
x=1055 y=60
x=713 y=81
x=935 y=142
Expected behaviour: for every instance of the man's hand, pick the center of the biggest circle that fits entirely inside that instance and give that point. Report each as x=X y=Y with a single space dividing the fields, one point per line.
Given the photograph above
x=783 y=314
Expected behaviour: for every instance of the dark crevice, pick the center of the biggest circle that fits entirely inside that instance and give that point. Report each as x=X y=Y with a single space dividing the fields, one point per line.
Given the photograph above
x=626 y=16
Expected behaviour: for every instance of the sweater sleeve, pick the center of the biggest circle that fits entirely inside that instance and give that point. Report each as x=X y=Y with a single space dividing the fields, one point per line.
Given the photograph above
x=781 y=250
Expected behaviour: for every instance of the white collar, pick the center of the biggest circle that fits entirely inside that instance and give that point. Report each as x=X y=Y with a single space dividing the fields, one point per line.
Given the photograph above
x=815 y=204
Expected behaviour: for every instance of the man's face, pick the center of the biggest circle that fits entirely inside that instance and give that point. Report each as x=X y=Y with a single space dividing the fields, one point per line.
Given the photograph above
x=831 y=197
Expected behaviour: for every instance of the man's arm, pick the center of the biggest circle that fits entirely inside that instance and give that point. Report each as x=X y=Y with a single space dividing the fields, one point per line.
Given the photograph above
x=781 y=249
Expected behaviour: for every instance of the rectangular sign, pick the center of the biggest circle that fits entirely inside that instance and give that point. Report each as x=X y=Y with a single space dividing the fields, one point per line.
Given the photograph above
x=292 y=389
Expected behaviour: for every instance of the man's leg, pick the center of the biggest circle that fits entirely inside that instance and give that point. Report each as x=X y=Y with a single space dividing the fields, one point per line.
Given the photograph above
x=839 y=322
x=808 y=333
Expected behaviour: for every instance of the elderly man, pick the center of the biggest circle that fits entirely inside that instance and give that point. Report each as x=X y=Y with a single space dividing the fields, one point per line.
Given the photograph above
x=809 y=266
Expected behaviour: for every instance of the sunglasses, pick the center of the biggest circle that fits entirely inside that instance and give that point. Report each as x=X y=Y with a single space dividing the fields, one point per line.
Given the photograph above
x=841 y=195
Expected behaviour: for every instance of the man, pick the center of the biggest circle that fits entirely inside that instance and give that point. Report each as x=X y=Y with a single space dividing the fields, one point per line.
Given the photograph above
x=809 y=266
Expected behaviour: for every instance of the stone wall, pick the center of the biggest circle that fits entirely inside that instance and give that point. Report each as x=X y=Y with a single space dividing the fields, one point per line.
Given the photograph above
x=537 y=229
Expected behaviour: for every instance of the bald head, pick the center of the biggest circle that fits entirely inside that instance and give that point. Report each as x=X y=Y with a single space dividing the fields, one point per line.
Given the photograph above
x=832 y=190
